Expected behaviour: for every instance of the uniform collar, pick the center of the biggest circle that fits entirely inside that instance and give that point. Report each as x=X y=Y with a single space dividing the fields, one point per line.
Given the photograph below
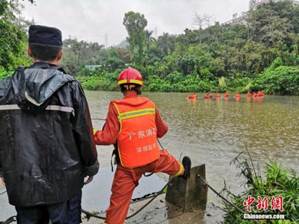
x=131 y=94
x=46 y=65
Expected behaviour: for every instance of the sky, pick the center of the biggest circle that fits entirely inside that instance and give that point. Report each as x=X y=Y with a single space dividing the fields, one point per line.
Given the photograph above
x=102 y=20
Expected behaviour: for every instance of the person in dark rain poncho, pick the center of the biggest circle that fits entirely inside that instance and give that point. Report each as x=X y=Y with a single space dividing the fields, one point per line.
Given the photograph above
x=46 y=147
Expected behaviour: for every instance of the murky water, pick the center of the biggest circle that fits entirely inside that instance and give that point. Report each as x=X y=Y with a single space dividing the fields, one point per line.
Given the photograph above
x=213 y=133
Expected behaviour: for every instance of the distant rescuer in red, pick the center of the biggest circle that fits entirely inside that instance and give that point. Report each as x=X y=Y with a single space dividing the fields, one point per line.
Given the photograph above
x=134 y=125
x=46 y=141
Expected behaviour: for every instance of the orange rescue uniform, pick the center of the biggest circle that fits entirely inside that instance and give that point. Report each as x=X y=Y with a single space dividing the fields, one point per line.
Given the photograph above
x=137 y=138
x=135 y=124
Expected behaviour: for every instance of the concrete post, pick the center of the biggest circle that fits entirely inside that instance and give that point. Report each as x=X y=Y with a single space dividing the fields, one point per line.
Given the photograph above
x=190 y=194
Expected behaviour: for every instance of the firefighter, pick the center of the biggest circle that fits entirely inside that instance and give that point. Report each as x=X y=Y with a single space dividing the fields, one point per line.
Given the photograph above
x=134 y=125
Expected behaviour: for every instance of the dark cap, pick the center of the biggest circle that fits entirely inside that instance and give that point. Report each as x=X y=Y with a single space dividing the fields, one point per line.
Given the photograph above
x=43 y=35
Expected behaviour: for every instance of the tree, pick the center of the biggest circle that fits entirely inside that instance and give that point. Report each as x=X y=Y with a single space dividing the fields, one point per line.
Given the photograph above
x=166 y=43
x=135 y=24
x=12 y=36
x=80 y=53
x=202 y=20
x=272 y=23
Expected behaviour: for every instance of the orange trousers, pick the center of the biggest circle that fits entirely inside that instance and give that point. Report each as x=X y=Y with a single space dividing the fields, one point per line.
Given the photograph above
x=125 y=181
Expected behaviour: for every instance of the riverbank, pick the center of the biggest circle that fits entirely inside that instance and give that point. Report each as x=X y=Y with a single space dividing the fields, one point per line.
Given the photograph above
x=277 y=80
x=272 y=193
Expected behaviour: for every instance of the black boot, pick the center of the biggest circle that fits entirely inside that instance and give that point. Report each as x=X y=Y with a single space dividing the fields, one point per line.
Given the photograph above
x=187 y=166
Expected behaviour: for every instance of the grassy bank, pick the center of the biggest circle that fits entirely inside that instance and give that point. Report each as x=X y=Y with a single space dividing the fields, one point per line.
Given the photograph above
x=275 y=182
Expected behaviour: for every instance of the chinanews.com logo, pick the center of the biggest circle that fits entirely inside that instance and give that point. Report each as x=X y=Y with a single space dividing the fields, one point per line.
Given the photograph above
x=264 y=208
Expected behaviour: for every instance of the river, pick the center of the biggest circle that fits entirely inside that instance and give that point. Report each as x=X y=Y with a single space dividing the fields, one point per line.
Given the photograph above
x=214 y=132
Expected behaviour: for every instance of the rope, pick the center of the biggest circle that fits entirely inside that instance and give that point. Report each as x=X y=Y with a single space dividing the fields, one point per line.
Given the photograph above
x=10 y=220
x=147 y=196
x=160 y=144
x=150 y=201
x=219 y=195
x=153 y=195
x=92 y=215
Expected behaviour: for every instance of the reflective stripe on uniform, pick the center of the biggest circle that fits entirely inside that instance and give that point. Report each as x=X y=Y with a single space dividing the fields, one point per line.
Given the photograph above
x=136 y=113
x=50 y=107
x=181 y=170
x=10 y=107
x=61 y=109
x=131 y=81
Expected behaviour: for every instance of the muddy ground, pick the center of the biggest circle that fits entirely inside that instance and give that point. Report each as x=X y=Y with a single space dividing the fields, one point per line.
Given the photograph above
x=159 y=212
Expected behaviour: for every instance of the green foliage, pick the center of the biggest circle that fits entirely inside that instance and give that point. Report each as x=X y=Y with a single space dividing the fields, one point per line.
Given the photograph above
x=220 y=57
x=222 y=84
x=176 y=82
x=276 y=182
x=135 y=24
x=240 y=84
x=273 y=23
x=282 y=80
x=99 y=81
x=3 y=73
x=77 y=54
x=12 y=37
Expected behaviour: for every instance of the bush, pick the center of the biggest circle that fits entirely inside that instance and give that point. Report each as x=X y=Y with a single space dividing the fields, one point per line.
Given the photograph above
x=4 y=73
x=283 y=80
x=276 y=182
x=240 y=84
x=176 y=82
x=102 y=81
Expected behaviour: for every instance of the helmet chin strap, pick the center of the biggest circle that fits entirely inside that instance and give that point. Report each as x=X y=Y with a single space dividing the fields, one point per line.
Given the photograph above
x=130 y=86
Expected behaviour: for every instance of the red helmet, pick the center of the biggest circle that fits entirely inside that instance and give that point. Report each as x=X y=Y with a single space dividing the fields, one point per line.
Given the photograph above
x=130 y=76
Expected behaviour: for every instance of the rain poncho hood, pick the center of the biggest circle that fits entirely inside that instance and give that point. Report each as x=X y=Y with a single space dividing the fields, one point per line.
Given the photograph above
x=34 y=86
